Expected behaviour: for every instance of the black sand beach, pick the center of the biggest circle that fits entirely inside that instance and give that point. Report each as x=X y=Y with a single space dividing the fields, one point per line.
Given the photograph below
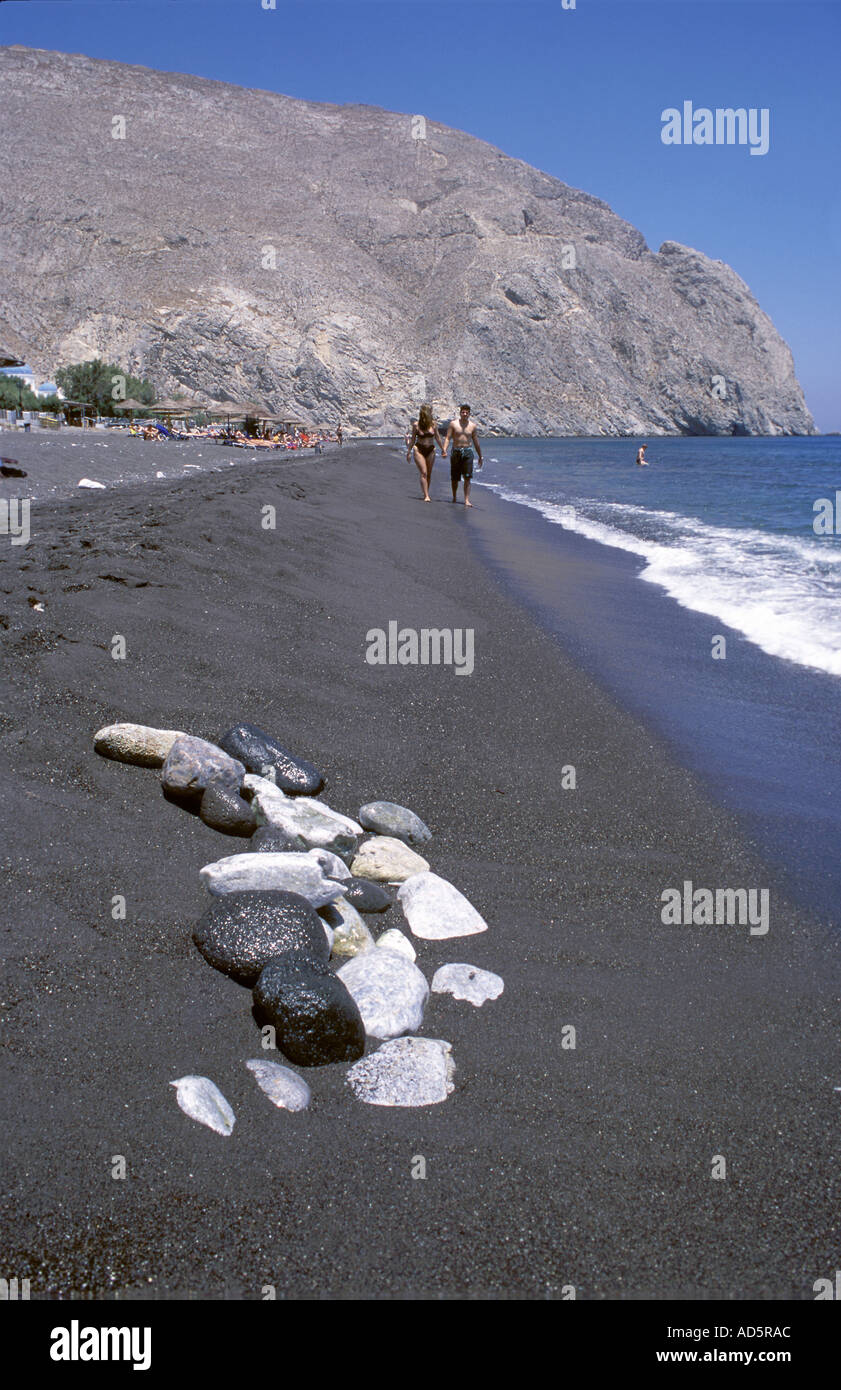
x=546 y=1166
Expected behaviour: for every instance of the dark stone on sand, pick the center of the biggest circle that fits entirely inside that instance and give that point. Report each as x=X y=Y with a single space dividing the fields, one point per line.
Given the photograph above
x=365 y=895
x=270 y=839
x=241 y=932
x=315 y=1019
x=9 y=469
x=224 y=809
x=192 y=764
x=264 y=756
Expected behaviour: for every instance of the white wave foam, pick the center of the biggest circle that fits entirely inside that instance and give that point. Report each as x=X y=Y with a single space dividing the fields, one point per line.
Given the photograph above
x=782 y=593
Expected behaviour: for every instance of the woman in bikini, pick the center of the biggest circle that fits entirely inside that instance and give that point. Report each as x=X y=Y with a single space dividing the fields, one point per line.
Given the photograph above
x=422 y=443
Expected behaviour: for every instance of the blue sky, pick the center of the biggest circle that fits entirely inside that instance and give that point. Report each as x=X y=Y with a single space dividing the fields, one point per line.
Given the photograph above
x=578 y=93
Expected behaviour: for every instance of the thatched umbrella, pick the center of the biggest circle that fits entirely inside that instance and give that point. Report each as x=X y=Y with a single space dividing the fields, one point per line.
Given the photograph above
x=131 y=404
x=9 y=358
x=251 y=409
x=173 y=407
x=238 y=410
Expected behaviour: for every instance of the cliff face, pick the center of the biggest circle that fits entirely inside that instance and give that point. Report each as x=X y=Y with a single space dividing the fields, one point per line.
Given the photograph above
x=242 y=245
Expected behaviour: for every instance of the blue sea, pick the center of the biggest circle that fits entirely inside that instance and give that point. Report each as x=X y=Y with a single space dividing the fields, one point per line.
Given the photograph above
x=641 y=571
x=724 y=526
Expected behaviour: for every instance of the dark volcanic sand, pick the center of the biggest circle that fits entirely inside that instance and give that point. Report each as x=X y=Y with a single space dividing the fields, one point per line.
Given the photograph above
x=546 y=1166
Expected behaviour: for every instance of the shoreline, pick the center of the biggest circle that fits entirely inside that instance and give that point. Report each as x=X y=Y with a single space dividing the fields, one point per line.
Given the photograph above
x=546 y=1166
x=754 y=731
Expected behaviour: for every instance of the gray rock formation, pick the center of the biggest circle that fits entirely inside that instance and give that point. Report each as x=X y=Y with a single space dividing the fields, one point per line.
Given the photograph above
x=241 y=245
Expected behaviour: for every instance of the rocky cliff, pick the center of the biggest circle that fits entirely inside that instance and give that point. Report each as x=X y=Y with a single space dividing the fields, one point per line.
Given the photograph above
x=341 y=261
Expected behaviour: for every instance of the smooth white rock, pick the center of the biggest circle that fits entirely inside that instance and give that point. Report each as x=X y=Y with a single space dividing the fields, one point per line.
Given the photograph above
x=406 y=1071
x=346 y=822
x=319 y=826
x=202 y=1100
x=387 y=860
x=388 y=990
x=350 y=934
x=394 y=940
x=467 y=982
x=284 y=1087
x=435 y=909
x=264 y=785
x=331 y=865
x=89 y=482
x=293 y=873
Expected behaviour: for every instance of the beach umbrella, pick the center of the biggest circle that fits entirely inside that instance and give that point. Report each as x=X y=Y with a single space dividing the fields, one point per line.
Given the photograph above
x=244 y=410
x=130 y=404
x=172 y=407
x=9 y=358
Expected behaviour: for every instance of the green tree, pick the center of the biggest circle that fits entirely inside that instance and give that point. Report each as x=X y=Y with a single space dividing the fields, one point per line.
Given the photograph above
x=15 y=393
x=102 y=385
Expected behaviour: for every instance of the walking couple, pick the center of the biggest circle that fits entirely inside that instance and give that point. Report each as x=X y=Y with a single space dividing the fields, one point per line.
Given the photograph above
x=462 y=434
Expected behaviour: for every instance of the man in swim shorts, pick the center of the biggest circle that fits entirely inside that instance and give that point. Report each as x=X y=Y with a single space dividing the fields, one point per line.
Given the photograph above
x=464 y=435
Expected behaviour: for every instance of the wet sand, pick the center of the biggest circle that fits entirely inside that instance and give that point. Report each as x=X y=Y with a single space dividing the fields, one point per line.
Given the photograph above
x=547 y=1166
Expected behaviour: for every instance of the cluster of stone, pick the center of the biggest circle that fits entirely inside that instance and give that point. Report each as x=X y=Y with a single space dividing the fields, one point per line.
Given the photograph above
x=286 y=919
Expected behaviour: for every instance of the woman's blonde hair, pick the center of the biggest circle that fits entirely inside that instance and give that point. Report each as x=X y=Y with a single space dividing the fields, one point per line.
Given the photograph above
x=425 y=419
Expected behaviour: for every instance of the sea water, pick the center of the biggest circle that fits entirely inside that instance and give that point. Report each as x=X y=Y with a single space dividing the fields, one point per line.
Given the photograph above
x=724 y=526
x=641 y=574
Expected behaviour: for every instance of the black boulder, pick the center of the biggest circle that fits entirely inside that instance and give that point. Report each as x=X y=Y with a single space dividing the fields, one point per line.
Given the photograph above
x=240 y=932
x=264 y=756
x=270 y=839
x=365 y=895
x=315 y=1019
x=224 y=809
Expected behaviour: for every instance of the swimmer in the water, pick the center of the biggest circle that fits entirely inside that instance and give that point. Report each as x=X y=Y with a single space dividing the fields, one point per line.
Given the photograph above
x=641 y=459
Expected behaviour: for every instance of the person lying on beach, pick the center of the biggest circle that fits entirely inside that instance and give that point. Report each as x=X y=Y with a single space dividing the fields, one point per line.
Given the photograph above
x=641 y=459
x=464 y=435
x=421 y=441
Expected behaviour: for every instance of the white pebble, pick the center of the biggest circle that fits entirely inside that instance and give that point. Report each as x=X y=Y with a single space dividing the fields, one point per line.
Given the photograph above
x=199 y=1098
x=284 y=1087
x=467 y=982
x=394 y=940
x=405 y=1071
x=435 y=909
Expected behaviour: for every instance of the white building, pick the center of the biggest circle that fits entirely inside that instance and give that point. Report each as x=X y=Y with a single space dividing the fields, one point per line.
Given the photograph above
x=25 y=373
x=28 y=377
